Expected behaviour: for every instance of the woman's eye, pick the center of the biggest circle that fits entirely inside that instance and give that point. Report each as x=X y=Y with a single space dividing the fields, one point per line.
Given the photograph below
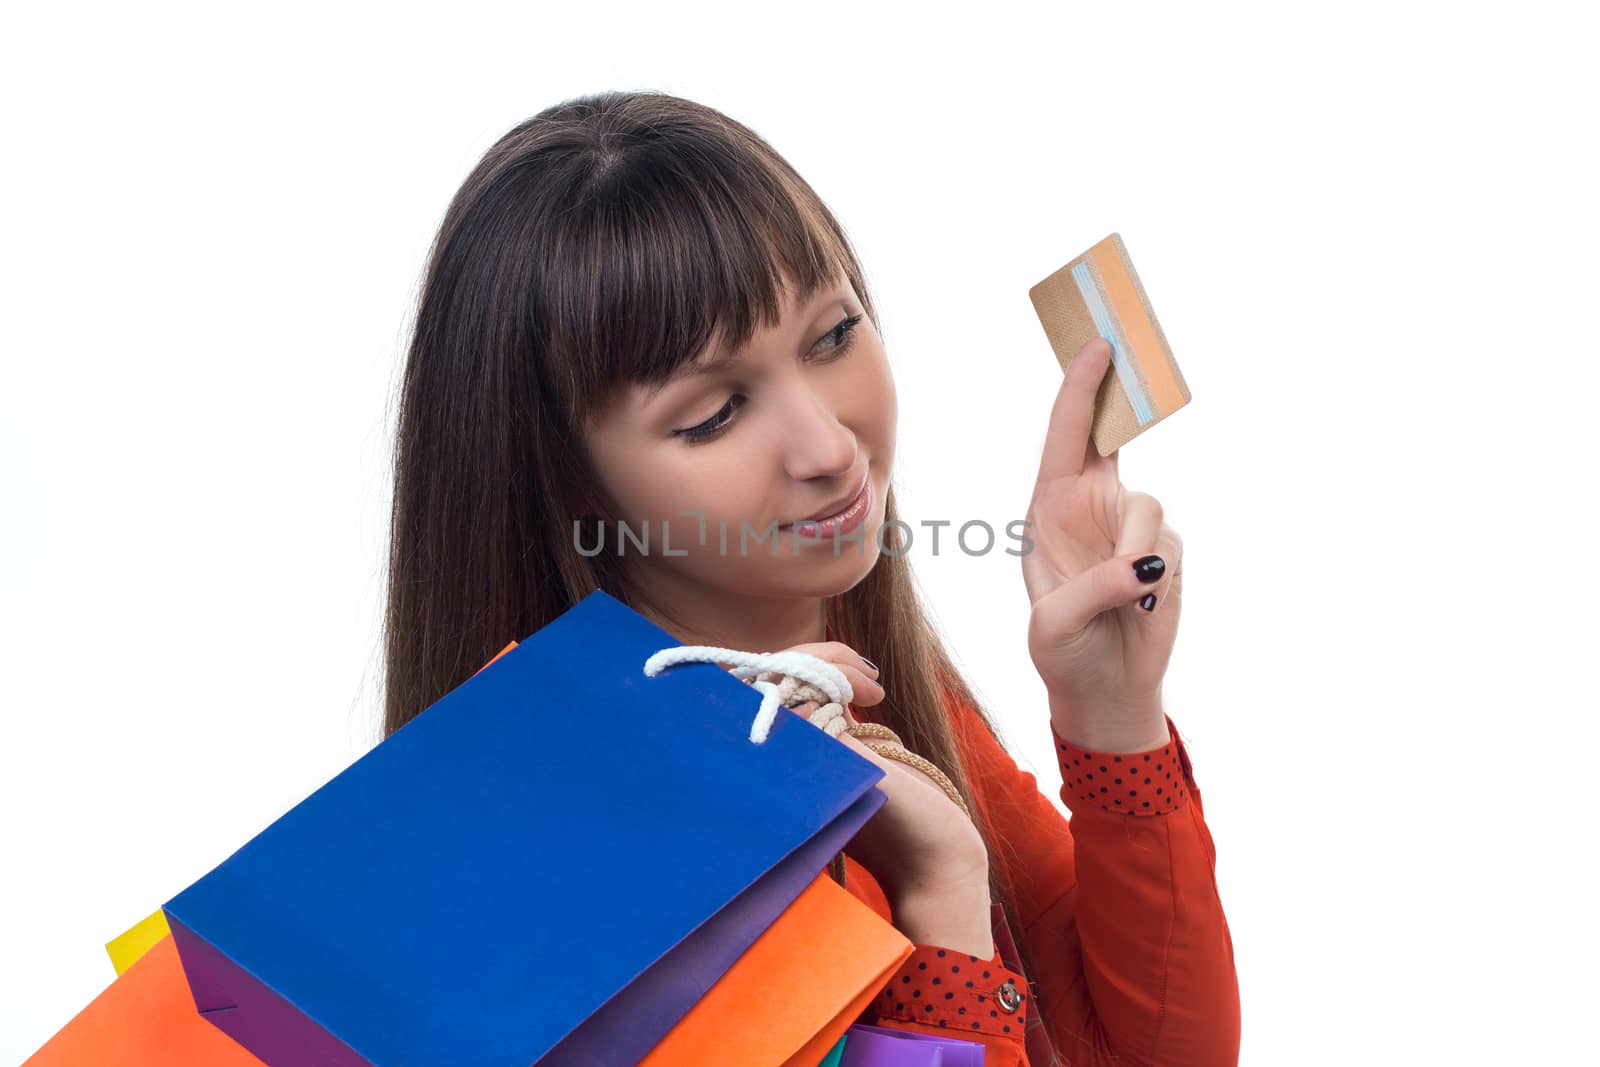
x=715 y=424
x=843 y=335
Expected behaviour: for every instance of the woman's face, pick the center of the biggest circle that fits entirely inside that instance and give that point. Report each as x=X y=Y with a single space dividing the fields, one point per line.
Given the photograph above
x=788 y=430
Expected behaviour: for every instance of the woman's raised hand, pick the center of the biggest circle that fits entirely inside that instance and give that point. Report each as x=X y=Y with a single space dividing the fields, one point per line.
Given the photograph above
x=1104 y=575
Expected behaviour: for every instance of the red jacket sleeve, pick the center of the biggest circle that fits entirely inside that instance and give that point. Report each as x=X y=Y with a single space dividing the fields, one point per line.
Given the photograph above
x=1118 y=906
x=953 y=994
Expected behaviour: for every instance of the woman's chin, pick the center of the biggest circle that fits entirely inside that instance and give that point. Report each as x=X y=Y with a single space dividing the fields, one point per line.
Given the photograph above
x=824 y=572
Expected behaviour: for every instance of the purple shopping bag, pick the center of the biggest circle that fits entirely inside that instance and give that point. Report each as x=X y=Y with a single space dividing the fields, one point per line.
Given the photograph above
x=878 y=1046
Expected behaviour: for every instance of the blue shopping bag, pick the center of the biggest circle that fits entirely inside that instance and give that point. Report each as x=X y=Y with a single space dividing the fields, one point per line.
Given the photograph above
x=558 y=808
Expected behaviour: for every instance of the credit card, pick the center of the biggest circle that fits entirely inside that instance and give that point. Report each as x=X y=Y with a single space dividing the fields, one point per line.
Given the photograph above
x=1099 y=295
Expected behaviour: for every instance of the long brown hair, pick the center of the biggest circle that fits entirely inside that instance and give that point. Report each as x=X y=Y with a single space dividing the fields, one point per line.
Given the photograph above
x=605 y=240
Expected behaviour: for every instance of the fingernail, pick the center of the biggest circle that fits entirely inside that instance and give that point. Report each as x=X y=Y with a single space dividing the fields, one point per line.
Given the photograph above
x=1148 y=602
x=1149 y=568
x=869 y=663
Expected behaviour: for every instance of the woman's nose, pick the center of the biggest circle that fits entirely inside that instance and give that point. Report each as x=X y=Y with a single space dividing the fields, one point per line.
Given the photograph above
x=817 y=443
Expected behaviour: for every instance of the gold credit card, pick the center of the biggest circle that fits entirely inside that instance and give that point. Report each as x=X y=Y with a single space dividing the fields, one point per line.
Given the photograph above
x=1099 y=295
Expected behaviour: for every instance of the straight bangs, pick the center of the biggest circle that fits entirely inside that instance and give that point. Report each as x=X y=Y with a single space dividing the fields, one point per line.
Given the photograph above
x=680 y=252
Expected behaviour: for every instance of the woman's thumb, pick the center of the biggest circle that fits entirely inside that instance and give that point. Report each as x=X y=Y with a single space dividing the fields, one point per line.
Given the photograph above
x=1113 y=583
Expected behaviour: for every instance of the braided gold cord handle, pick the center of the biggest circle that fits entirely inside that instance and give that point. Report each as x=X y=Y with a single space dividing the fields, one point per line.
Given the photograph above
x=891 y=747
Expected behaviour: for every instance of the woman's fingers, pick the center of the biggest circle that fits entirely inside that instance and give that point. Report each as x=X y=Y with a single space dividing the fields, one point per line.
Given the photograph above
x=1144 y=534
x=843 y=656
x=1112 y=583
x=1110 y=460
x=1141 y=525
x=1066 y=438
x=1169 y=546
x=860 y=672
x=867 y=690
x=837 y=653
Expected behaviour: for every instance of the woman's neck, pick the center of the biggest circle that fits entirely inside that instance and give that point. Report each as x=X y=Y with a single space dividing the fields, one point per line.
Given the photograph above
x=696 y=615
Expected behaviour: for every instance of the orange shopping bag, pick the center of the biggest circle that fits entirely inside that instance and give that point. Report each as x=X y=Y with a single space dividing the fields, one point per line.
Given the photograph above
x=145 y=1017
x=795 y=991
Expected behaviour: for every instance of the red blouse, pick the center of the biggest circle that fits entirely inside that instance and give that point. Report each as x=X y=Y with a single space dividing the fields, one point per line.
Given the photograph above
x=1117 y=907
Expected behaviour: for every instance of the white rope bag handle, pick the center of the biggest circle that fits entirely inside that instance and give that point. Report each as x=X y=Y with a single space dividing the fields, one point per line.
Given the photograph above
x=800 y=677
x=791 y=678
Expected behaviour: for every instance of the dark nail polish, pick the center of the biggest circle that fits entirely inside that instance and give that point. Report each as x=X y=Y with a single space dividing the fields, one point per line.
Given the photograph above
x=1148 y=602
x=869 y=663
x=1149 y=568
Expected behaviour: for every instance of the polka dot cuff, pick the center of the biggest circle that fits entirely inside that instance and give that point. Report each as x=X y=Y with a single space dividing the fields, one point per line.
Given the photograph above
x=950 y=989
x=1153 y=782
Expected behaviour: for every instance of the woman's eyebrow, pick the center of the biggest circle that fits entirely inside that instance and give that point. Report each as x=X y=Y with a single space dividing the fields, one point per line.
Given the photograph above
x=725 y=360
x=709 y=366
x=688 y=370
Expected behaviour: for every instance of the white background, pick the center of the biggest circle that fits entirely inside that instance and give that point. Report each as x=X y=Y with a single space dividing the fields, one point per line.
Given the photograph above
x=1369 y=231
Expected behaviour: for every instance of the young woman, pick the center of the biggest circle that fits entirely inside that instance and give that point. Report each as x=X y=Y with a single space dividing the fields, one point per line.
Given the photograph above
x=636 y=310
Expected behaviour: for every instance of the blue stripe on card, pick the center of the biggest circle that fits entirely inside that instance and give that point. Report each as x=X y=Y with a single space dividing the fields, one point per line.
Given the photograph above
x=1106 y=322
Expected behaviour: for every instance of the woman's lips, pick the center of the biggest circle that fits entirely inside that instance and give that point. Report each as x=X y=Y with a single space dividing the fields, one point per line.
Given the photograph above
x=846 y=521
